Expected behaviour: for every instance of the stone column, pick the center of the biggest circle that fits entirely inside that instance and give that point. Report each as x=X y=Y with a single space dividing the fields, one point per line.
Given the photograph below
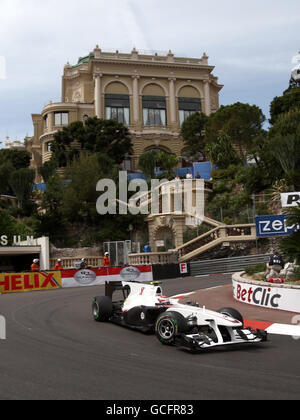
x=98 y=107
x=135 y=99
x=207 y=97
x=172 y=99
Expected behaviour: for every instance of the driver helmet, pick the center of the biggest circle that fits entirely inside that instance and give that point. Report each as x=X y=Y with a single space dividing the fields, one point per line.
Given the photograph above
x=36 y=261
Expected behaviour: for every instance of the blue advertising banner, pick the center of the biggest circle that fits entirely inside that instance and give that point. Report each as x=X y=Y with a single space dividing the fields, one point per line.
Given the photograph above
x=274 y=226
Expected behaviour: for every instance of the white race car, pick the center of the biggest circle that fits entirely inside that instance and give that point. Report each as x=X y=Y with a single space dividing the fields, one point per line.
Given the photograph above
x=143 y=307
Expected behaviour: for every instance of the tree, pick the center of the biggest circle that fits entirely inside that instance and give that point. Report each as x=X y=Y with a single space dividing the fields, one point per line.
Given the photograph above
x=168 y=162
x=192 y=132
x=5 y=170
x=243 y=123
x=148 y=162
x=95 y=135
x=221 y=152
x=80 y=195
x=107 y=136
x=21 y=182
x=7 y=224
x=47 y=170
x=18 y=158
x=285 y=145
x=289 y=101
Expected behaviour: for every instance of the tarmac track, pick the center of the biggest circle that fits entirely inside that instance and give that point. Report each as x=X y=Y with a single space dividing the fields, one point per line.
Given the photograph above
x=54 y=351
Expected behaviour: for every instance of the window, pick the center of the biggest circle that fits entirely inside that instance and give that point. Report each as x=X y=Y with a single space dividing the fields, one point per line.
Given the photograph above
x=117 y=108
x=187 y=107
x=46 y=121
x=154 y=111
x=61 y=118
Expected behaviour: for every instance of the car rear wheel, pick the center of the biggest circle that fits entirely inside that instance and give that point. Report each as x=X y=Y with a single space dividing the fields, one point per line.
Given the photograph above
x=233 y=313
x=102 y=308
x=168 y=326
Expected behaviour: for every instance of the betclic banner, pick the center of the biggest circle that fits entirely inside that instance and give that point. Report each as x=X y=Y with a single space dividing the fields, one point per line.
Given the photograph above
x=29 y=282
x=270 y=297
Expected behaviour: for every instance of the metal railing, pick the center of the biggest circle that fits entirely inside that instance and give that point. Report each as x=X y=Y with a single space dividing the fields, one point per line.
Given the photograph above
x=226 y=265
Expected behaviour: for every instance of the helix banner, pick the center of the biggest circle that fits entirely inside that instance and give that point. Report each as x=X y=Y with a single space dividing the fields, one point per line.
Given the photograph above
x=28 y=282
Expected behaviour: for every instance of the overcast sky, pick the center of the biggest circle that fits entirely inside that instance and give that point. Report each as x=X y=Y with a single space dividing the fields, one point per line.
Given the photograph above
x=250 y=43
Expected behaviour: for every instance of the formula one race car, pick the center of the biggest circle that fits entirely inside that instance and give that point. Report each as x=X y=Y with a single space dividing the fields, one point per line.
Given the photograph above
x=143 y=307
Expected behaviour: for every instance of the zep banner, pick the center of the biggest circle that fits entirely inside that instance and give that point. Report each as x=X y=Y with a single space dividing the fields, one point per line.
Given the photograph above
x=275 y=225
x=28 y=282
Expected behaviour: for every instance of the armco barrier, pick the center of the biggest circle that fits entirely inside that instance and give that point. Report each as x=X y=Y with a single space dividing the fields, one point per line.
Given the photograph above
x=226 y=265
x=284 y=297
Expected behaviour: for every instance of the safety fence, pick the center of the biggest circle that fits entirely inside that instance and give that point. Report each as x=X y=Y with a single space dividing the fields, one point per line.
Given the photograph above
x=226 y=265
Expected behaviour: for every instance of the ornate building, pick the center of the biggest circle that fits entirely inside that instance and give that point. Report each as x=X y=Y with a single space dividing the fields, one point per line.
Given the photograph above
x=150 y=93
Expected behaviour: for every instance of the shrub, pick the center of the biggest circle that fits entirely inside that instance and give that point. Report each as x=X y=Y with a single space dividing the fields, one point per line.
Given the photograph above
x=255 y=269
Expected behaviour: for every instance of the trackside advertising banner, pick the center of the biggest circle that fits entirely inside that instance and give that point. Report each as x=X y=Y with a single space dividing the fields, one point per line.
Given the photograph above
x=95 y=277
x=28 y=282
x=270 y=297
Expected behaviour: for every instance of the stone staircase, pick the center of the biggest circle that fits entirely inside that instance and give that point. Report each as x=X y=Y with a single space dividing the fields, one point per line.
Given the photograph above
x=220 y=235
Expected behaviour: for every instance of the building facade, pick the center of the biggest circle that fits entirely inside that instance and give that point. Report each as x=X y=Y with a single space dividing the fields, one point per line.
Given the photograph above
x=152 y=94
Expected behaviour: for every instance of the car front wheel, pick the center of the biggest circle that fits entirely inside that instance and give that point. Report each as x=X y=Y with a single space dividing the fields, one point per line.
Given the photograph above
x=168 y=326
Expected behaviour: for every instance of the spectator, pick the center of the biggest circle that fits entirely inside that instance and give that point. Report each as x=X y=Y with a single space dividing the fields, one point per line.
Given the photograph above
x=198 y=176
x=106 y=260
x=189 y=175
x=275 y=262
x=58 y=265
x=35 y=266
x=147 y=248
x=84 y=264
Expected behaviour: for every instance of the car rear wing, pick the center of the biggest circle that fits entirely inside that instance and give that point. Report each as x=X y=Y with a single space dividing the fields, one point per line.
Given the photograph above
x=112 y=286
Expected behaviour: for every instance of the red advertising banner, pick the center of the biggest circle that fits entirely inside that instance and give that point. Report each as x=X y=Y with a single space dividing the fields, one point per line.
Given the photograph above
x=98 y=276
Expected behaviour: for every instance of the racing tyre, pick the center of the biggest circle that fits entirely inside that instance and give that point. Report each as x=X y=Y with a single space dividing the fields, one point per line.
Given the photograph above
x=233 y=313
x=102 y=308
x=168 y=326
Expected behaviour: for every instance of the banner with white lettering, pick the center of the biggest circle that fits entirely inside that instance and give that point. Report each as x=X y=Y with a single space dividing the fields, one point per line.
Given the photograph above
x=290 y=199
x=275 y=225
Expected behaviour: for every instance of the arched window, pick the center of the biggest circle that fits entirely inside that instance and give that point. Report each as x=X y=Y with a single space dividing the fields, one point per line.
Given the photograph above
x=154 y=111
x=189 y=101
x=117 y=107
x=187 y=107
